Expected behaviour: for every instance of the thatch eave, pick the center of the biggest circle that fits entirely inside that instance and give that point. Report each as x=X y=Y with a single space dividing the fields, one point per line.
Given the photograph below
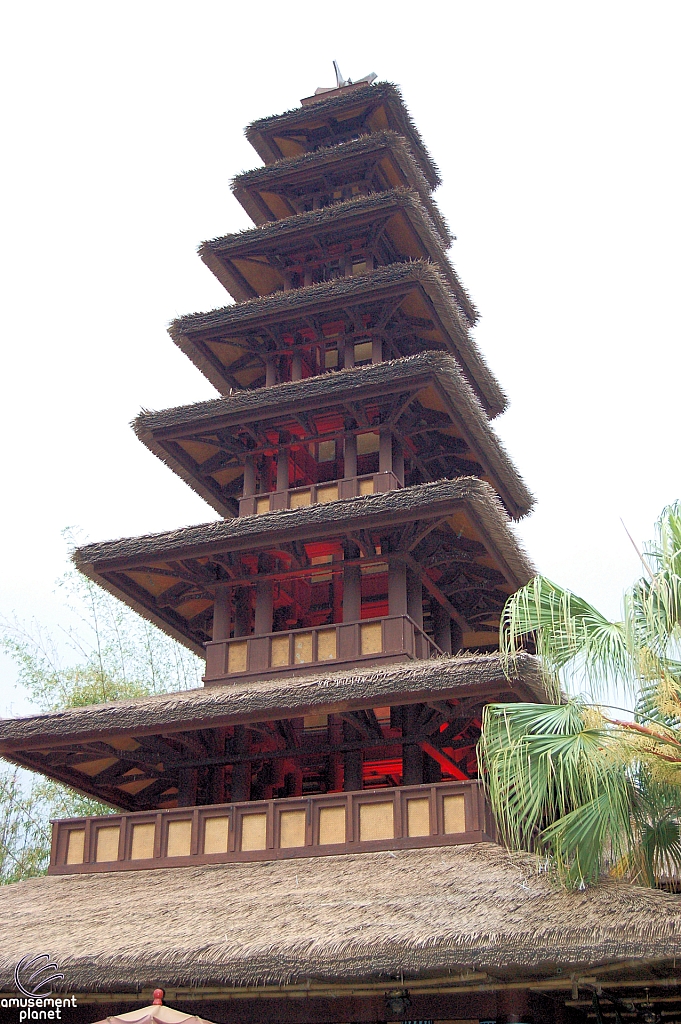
x=258 y=131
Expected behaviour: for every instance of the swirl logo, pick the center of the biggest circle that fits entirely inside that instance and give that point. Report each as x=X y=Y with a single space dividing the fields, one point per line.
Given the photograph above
x=34 y=975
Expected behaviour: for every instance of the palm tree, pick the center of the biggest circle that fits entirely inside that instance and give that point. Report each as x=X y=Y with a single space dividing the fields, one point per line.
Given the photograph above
x=568 y=779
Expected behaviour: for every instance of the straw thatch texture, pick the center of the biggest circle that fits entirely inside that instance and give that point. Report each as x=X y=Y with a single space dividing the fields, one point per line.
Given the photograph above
x=213 y=706
x=353 y=917
x=259 y=132
x=331 y=387
x=406 y=504
x=252 y=241
x=268 y=176
x=285 y=307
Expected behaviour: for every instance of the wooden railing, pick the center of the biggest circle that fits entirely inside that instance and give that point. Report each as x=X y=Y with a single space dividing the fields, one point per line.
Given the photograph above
x=313 y=494
x=390 y=639
x=444 y=814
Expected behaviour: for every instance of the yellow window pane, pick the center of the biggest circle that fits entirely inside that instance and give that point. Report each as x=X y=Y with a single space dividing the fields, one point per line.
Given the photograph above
x=75 y=850
x=369 y=442
x=366 y=485
x=371 y=638
x=280 y=651
x=254 y=832
x=107 y=843
x=331 y=358
x=216 y=835
x=326 y=645
x=359 y=268
x=327 y=492
x=376 y=821
x=326 y=451
x=418 y=817
x=299 y=499
x=292 y=829
x=237 y=656
x=454 y=814
x=180 y=838
x=332 y=825
x=302 y=648
x=143 y=841
x=262 y=505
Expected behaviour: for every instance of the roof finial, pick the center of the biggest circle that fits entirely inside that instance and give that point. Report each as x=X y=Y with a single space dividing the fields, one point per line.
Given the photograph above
x=341 y=82
x=158 y=997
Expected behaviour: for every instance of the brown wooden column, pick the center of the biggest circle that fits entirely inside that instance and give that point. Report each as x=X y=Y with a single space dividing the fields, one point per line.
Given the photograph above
x=249 y=477
x=349 y=356
x=187 y=785
x=242 y=612
x=241 y=772
x=334 y=734
x=385 y=451
x=415 y=598
x=282 y=470
x=352 y=762
x=270 y=371
x=397 y=588
x=350 y=456
x=297 y=365
x=376 y=350
x=221 y=614
x=352 y=593
x=398 y=462
x=442 y=627
x=412 y=755
x=263 y=607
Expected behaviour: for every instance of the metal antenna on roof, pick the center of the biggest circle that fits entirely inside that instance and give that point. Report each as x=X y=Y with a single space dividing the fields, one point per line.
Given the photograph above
x=340 y=81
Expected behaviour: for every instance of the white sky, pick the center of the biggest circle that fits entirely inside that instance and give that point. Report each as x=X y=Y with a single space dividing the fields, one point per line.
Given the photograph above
x=556 y=128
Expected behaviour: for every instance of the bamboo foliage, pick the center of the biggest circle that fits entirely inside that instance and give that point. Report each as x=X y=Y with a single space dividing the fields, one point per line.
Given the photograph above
x=589 y=790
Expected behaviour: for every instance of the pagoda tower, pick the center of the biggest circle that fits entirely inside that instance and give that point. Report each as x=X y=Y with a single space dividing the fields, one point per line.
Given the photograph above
x=347 y=603
x=365 y=500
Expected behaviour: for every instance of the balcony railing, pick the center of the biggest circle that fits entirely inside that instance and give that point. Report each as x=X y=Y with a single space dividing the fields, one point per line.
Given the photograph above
x=313 y=494
x=444 y=814
x=391 y=639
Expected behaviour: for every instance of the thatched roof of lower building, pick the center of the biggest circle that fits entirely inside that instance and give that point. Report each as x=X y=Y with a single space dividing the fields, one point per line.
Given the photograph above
x=360 y=916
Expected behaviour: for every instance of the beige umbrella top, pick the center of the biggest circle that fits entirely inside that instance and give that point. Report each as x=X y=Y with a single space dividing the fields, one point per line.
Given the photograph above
x=157 y=1013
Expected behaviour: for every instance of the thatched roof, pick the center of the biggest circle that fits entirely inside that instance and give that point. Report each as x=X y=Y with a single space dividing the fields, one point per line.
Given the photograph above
x=252 y=242
x=283 y=308
x=243 y=702
x=269 y=176
x=245 y=532
x=360 y=916
x=468 y=509
x=366 y=381
x=263 y=132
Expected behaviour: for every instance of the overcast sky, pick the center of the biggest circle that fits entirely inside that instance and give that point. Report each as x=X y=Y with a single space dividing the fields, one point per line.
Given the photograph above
x=556 y=129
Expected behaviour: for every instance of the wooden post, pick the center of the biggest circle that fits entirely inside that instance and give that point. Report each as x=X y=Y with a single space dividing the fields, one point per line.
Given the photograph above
x=350 y=456
x=282 y=470
x=270 y=371
x=221 y=613
x=397 y=588
x=241 y=772
x=376 y=350
x=456 y=636
x=352 y=593
x=249 y=477
x=335 y=738
x=414 y=598
x=352 y=762
x=242 y=612
x=263 y=607
x=412 y=755
x=349 y=357
x=398 y=462
x=297 y=365
x=385 y=451
x=442 y=626
x=187 y=784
